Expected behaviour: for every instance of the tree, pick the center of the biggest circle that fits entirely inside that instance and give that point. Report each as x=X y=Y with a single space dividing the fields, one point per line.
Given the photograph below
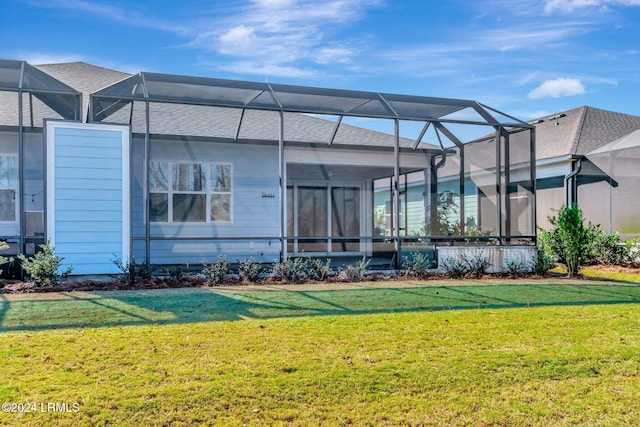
x=570 y=240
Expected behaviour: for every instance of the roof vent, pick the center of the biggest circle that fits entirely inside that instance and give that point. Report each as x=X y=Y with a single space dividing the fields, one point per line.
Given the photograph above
x=557 y=118
x=536 y=122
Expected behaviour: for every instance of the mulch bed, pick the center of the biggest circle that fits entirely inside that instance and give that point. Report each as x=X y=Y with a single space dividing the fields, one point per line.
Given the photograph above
x=193 y=281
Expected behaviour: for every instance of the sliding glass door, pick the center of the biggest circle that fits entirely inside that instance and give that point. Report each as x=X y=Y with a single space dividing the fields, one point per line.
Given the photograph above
x=324 y=219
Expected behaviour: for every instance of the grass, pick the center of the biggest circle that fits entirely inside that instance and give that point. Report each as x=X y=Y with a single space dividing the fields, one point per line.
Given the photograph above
x=553 y=353
x=612 y=273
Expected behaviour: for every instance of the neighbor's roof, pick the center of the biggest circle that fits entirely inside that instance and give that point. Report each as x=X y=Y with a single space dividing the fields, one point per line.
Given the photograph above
x=580 y=131
x=631 y=140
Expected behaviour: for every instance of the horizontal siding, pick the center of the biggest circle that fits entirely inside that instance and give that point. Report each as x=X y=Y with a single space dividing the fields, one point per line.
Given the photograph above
x=255 y=171
x=186 y=252
x=95 y=164
x=107 y=182
x=70 y=226
x=88 y=198
x=82 y=196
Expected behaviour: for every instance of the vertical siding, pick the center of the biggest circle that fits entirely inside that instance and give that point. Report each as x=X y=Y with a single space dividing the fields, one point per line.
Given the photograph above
x=88 y=197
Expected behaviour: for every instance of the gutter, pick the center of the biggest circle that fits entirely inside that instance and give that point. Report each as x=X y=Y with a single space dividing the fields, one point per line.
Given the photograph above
x=571 y=191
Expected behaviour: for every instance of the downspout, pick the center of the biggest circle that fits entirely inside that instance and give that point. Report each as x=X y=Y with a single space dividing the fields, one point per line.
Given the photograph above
x=572 y=189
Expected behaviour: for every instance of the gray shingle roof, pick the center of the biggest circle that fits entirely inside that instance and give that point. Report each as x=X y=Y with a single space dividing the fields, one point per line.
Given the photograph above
x=580 y=131
x=196 y=120
x=83 y=77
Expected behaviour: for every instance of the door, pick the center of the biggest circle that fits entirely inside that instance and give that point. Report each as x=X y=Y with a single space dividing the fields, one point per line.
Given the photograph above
x=324 y=219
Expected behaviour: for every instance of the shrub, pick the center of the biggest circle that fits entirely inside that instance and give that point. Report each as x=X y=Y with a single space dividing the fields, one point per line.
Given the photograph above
x=418 y=265
x=570 y=240
x=455 y=268
x=249 y=270
x=132 y=272
x=176 y=273
x=609 y=250
x=318 y=270
x=4 y=247
x=542 y=261
x=291 y=270
x=216 y=273
x=354 y=272
x=514 y=267
x=477 y=264
x=42 y=268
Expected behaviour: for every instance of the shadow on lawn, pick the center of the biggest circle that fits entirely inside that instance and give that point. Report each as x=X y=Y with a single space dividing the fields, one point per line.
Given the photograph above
x=122 y=308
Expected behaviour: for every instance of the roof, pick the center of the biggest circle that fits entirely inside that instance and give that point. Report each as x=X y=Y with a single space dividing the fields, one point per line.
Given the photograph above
x=194 y=120
x=84 y=78
x=631 y=140
x=171 y=88
x=580 y=131
x=52 y=97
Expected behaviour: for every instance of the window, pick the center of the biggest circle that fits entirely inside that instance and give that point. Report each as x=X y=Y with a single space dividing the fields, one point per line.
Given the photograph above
x=190 y=192
x=8 y=188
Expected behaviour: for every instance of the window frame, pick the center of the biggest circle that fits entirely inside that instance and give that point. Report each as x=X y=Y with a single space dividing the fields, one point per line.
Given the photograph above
x=208 y=191
x=15 y=189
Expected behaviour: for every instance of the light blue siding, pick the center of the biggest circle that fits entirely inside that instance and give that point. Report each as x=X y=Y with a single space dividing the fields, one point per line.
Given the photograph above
x=88 y=201
x=255 y=171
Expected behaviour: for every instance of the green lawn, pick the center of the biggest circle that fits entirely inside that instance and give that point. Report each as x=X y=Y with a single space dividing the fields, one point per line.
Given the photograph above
x=542 y=353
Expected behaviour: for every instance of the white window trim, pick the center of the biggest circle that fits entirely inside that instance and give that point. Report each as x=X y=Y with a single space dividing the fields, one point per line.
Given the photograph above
x=16 y=188
x=208 y=192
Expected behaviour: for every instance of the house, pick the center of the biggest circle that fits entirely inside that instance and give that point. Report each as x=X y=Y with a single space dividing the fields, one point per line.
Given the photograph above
x=591 y=157
x=179 y=170
x=584 y=155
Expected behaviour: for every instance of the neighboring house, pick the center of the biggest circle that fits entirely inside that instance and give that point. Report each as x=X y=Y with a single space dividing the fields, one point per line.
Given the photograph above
x=587 y=155
x=179 y=170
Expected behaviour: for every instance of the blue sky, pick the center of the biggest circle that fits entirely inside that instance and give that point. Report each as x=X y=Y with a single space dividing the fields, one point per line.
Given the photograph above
x=527 y=58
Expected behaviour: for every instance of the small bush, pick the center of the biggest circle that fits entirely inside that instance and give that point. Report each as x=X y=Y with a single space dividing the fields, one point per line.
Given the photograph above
x=176 y=273
x=418 y=265
x=42 y=268
x=3 y=247
x=477 y=264
x=455 y=268
x=514 y=268
x=216 y=273
x=354 y=272
x=291 y=270
x=542 y=262
x=608 y=249
x=318 y=270
x=132 y=272
x=249 y=270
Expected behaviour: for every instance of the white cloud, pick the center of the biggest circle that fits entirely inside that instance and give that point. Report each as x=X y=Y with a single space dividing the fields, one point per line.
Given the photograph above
x=568 y=6
x=250 y=67
x=282 y=34
x=557 y=88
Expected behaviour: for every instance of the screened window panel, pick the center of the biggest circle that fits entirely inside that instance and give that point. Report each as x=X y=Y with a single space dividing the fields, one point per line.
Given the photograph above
x=159 y=176
x=8 y=187
x=221 y=178
x=158 y=207
x=7 y=205
x=312 y=218
x=221 y=207
x=345 y=217
x=188 y=177
x=189 y=207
